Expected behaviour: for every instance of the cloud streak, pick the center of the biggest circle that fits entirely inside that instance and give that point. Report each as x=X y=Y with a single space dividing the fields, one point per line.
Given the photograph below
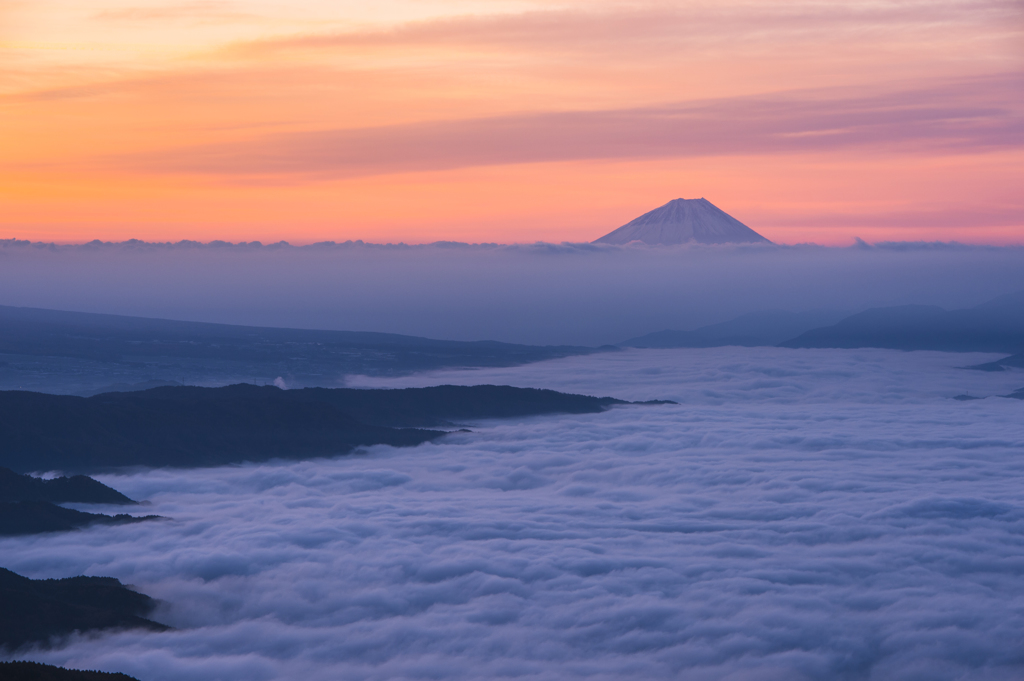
x=801 y=515
x=950 y=118
x=195 y=11
x=658 y=27
x=316 y=121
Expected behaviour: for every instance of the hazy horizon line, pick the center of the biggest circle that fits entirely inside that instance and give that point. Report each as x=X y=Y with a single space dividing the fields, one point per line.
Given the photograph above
x=856 y=244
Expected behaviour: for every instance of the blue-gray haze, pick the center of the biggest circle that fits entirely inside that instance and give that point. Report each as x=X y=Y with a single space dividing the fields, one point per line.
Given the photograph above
x=541 y=293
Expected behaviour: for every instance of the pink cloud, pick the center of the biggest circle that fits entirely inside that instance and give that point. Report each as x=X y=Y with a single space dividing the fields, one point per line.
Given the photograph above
x=949 y=117
x=648 y=28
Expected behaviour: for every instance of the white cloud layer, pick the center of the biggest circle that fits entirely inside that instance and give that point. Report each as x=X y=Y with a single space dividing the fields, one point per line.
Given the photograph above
x=823 y=514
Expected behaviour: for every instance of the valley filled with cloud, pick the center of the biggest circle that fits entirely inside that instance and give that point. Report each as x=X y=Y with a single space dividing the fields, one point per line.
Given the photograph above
x=800 y=514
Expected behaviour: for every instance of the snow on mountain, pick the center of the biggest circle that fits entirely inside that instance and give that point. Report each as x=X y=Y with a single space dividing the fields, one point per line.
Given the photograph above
x=684 y=221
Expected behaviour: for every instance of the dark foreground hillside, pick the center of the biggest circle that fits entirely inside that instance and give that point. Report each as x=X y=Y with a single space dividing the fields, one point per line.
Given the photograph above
x=36 y=610
x=34 y=671
x=78 y=489
x=188 y=426
x=178 y=427
x=446 y=405
x=34 y=517
x=28 y=505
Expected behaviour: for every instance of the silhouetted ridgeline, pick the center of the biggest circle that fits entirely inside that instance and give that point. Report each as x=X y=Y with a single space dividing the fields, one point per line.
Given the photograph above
x=178 y=427
x=187 y=426
x=995 y=326
x=81 y=353
x=35 y=610
x=754 y=329
x=1013 y=361
x=34 y=671
x=28 y=504
x=444 y=405
x=75 y=489
x=31 y=331
x=33 y=517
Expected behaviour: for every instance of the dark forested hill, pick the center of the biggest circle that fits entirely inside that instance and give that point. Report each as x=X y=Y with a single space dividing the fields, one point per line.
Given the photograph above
x=446 y=405
x=28 y=505
x=33 y=517
x=75 y=489
x=34 y=610
x=178 y=427
x=187 y=426
x=34 y=671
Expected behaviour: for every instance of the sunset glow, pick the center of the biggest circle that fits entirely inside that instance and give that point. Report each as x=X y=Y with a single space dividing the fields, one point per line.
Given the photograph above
x=508 y=121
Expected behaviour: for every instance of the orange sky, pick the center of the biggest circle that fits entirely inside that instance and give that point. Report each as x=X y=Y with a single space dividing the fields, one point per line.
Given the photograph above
x=483 y=121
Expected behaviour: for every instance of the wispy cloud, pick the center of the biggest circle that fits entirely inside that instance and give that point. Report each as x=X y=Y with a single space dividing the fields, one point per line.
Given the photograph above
x=119 y=94
x=198 y=10
x=650 y=27
x=949 y=117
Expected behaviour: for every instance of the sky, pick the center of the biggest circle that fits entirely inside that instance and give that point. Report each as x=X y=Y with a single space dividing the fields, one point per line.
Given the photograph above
x=813 y=515
x=509 y=121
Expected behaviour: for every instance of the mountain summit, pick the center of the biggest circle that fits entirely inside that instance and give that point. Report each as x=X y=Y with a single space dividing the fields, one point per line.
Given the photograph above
x=684 y=221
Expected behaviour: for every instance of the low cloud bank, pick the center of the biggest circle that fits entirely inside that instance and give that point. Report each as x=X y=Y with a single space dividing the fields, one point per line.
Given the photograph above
x=538 y=293
x=822 y=514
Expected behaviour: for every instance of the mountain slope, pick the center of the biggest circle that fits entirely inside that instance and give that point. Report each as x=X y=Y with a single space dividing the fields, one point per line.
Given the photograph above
x=749 y=330
x=445 y=405
x=35 y=671
x=83 y=353
x=995 y=326
x=683 y=221
x=35 y=517
x=1013 y=361
x=76 y=489
x=178 y=427
x=35 y=610
x=188 y=426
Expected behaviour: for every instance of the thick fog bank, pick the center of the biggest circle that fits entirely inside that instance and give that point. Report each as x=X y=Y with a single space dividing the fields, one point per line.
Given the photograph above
x=541 y=294
x=801 y=515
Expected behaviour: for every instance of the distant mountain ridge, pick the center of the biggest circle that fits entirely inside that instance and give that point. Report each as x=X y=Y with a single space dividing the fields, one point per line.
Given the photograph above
x=994 y=326
x=1013 y=361
x=683 y=221
x=85 y=353
x=749 y=330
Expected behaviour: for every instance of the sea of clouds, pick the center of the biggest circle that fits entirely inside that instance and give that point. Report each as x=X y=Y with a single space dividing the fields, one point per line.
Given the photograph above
x=801 y=514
